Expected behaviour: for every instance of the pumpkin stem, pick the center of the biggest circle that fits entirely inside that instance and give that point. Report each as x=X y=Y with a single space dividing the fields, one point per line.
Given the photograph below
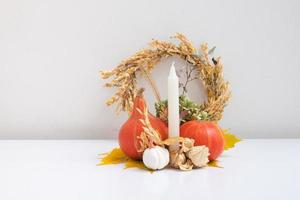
x=139 y=103
x=140 y=92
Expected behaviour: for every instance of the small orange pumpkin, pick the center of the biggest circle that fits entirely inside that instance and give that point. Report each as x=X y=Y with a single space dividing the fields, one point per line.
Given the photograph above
x=133 y=127
x=205 y=133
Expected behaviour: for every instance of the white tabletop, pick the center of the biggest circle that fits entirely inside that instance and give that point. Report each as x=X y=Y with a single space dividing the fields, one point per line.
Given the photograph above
x=66 y=169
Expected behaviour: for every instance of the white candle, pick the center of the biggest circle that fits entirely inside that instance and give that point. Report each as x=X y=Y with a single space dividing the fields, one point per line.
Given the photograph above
x=173 y=103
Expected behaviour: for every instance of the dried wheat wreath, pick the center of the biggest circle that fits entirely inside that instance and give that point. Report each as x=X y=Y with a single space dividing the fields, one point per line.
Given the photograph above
x=208 y=68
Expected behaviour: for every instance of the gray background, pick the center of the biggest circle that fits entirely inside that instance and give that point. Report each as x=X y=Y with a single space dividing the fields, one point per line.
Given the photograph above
x=51 y=52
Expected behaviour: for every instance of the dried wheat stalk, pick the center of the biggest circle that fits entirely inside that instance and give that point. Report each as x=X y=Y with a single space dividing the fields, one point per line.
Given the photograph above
x=149 y=137
x=209 y=72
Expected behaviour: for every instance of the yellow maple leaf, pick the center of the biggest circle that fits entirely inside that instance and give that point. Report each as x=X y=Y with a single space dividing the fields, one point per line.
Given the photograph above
x=230 y=140
x=214 y=163
x=116 y=156
x=136 y=164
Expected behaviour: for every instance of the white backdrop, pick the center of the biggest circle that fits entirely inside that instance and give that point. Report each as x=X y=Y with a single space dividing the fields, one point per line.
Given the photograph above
x=51 y=52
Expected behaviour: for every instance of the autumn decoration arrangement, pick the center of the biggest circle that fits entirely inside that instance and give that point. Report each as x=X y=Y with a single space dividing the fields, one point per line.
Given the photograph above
x=182 y=134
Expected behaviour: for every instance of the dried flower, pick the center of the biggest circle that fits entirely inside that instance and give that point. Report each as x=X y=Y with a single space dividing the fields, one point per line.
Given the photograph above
x=188 y=165
x=177 y=159
x=199 y=156
x=187 y=144
x=174 y=147
x=184 y=155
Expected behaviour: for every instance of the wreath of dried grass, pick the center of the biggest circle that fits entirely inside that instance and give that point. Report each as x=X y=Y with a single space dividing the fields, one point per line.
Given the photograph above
x=208 y=69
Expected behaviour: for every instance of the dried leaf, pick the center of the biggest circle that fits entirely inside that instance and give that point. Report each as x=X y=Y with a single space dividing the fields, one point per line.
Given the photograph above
x=214 y=163
x=230 y=140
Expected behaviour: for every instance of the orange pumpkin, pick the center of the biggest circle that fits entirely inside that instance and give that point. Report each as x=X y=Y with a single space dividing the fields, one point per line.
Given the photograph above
x=133 y=127
x=205 y=133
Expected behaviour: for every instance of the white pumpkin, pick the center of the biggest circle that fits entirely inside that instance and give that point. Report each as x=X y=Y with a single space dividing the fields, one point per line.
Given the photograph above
x=156 y=157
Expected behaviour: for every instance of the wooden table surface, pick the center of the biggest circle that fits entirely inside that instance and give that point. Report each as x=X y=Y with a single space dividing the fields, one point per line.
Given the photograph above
x=66 y=169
